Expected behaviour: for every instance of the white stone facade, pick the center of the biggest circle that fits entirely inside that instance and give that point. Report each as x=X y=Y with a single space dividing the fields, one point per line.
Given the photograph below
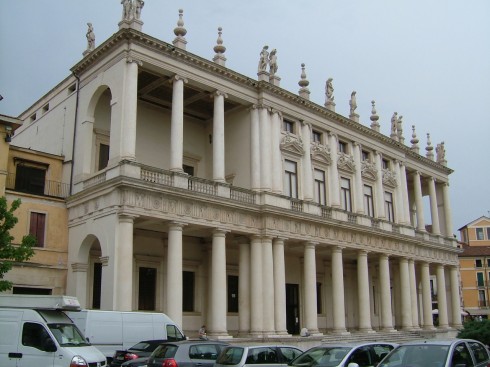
x=320 y=217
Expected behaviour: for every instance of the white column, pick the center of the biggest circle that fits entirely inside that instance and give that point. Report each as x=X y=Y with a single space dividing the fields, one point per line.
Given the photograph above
x=333 y=173
x=447 y=211
x=385 y=293
x=277 y=179
x=404 y=186
x=338 y=291
x=268 y=285
x=244 y=288
x=406 y=303
x=310 y=302
x=177 y=124
x=307 y=169
x=219 y=136
x=455 y=300
x=417 y=185
x=399 y=205
x=265 y=150
x=413 y=294
x=255 y=148
x=256 y=315
x=279 y=286
x=86 y=145
x=130 y=103
x=426 y=296
x=217 y=322
x=433 y=207
x=79 y=273
x=124 y=270
x=378 y=187
x=358 y=186
x=363 y=291
x=442 y=297
x=174 y=273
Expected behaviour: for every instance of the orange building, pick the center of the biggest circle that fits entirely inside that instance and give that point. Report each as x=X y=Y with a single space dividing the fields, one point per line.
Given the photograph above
x=475 y=267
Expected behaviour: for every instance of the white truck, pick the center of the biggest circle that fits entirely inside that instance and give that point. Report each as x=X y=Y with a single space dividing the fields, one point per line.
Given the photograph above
x=35 y=331
x=110 y=331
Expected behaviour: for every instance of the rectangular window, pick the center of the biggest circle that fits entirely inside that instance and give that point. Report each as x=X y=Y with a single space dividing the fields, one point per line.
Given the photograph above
x=316 y=137
x=479 y=234
x=488 y=233
x=390 y=213
x=480 y=282
x=320 y=191
x=488 y=265
x=37 y=227
x=232 y=293
x=343 y=147
x=318 y=298
x=103 y=156
x=30 y=179
x=288 y=126
x=385 y=164
x=188 y=169
x=482 y=300
x=368 y=200
x=478 y=263
x=365 y=156
x=188 y=291
x=345 y=195
x=291 y=179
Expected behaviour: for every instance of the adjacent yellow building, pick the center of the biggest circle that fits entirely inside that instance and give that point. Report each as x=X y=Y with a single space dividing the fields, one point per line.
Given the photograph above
x=475 y=267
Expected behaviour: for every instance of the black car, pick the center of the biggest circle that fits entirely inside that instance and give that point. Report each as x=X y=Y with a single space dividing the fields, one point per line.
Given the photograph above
x=139 y=350
x=188 y=353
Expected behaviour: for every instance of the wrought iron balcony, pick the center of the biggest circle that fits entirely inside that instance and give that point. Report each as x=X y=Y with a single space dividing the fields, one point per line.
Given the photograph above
x=42 y=188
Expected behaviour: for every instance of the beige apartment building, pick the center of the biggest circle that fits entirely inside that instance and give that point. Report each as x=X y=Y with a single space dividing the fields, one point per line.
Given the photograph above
x=475 y=267
x=226 y=200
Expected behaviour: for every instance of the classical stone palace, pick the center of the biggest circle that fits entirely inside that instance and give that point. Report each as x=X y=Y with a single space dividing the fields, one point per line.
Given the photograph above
x=226 y=200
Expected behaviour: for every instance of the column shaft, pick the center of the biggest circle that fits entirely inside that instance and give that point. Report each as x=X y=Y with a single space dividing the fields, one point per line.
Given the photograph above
x=385 y=293
x=413 y=293
x=333 y=174
x=358 y=188
x=256 y=315
x=244 y=289
x=417 y=185
x=255 y=148
x=124 y=277
x=219 y=137
x=174 y=273
x=442 y=297
x=128 y=130
x=177 y=125
x=447 y=211
x=279 y=286
x=436 y=229
x=426 y=296
x=338 y=291
x=307 y=168
x=265 y=150
x=363 y=291
x=268 y=285
x=379 y=192
x=403 y=183
x=310 y=301
x=217 y=322
x=277 y=184
x=455 y=299
x=406 y=303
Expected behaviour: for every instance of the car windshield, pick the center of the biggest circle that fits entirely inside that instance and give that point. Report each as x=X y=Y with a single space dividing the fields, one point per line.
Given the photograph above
x=230 y=356
x=68 y=335
x=321 y=357
x=417 y=356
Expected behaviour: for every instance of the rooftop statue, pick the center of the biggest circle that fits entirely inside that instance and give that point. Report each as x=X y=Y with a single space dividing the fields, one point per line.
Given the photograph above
x=440 y=153
x=329 y=90
x=138 y=6
x=394 y=123
x=353 y=103
x=127 y=6
x=90 y=37
x=264 y=59
x=273 y=62
x=132 y=9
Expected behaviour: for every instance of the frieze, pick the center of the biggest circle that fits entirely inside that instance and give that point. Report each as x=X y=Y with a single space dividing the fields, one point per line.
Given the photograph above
x=320 y=153
x=292 y=143
x=369 y=170
x=389 y=178
x=346 y=162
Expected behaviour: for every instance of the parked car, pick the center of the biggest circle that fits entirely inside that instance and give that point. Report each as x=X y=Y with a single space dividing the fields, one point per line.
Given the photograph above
x=137 y=351
x=187 y=353
x=265 y=355
x=344 y=355
x=439 y=353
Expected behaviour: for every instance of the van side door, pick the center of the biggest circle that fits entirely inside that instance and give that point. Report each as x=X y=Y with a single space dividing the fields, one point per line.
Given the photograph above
x=10 y=321
x=36 y=346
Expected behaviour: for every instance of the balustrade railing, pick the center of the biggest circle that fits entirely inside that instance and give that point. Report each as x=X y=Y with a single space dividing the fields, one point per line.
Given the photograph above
x=28 y=185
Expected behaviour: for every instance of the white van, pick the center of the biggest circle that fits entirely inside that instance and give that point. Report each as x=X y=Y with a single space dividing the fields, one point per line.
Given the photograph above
x=35 y=331
x=118 y=330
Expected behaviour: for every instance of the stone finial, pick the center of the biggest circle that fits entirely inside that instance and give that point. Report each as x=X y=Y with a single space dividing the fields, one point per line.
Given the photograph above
x=353 y=105
x=429 y=148
x=219 y=58
x=131 y=14
x=273 y=66
x=180 y=32
x=394 y=126
x=90 y=39
x=329 y=97
x=441 y=154
x=414 y=141
x=374 y=117
x=399 y=130
x=262 y=72
x=303 y=83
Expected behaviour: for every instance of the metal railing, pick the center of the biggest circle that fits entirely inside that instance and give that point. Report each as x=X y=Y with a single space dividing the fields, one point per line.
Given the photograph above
x=42 y=188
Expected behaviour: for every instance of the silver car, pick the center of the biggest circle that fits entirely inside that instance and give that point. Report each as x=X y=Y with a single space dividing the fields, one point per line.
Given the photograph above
x=257 y=355
x=439 y=353
x=344 y=355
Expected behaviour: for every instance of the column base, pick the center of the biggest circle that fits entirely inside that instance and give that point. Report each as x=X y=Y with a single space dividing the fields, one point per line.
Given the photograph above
x=389 y=330
x=367 y=331
x=219 y=336
x=341 y=332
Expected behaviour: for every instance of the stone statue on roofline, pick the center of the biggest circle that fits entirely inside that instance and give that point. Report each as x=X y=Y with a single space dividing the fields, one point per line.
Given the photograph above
x=353 y=105
x=394 y=126
x=273 y=62
x=441 y=153
x=127 y=9
x=264 y=59
x=131 y=14
x=329 y=90
x=90 y=37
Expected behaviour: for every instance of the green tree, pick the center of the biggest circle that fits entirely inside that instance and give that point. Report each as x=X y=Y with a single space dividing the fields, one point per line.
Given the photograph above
x=9 y=252
x=476 y=329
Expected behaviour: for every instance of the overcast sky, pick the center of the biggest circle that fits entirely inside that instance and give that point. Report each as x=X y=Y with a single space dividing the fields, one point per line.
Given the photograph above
x=427 y=60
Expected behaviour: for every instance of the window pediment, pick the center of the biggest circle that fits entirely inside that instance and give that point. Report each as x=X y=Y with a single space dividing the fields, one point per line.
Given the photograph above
x=320 y=153
x=368 y=170
x=292 y=144
x=389 y=178
x=346 y=162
